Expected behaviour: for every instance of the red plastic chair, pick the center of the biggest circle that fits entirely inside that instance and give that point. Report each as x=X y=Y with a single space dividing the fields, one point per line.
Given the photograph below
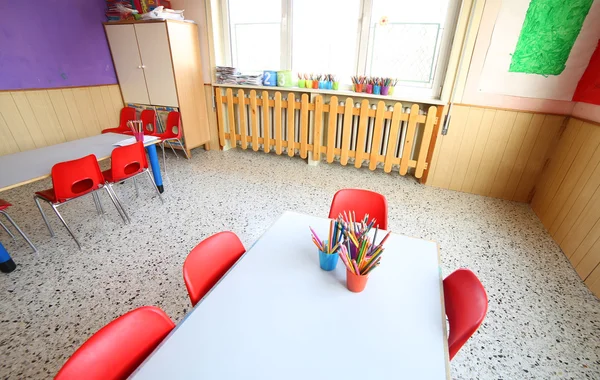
x=148 y=118
x=117 y=349
x=466 y=304
x=209 y=261
x=127 y=114
x=71 y=180
x=361 y=202
x=128 y=162
x=3 y=206
x=172 y=133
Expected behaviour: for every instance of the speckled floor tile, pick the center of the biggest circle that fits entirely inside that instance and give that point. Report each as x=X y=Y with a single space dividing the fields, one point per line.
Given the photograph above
x=542 y=321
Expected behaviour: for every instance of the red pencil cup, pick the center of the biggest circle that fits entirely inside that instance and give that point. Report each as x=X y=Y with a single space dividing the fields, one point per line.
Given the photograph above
x=139 y=136
x=359 y=87
x=369 y=89
x=355 y=283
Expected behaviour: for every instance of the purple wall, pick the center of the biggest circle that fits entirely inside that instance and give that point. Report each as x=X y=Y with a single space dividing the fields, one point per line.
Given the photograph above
x=53 y=43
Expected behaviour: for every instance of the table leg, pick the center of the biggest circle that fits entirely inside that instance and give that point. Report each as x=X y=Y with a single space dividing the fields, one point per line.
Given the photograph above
x=151 y=149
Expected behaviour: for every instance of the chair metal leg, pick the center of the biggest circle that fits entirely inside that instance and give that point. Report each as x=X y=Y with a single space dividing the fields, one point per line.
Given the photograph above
x=137 y=190
x=184 y=150
x=66 y=225
x=173 y=149
x=37 y=202
x=7 y=230
x=154 y=184
x=117 y=203
x=113 y=195
x=19 y=230
x=99 y=208
x=162 y=145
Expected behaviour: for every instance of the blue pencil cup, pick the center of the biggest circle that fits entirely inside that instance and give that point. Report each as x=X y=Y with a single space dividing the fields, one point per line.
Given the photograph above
x=377 y=90
x=328 y=262
x=269 y=78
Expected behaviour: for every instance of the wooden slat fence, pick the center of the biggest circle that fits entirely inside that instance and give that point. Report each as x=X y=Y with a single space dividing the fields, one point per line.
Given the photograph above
x=341 y=130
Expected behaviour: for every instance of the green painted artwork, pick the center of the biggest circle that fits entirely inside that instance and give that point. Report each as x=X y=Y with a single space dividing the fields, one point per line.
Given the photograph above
x=549 y=32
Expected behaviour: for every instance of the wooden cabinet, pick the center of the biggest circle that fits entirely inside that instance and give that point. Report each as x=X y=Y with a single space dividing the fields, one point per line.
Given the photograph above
x=158 y=64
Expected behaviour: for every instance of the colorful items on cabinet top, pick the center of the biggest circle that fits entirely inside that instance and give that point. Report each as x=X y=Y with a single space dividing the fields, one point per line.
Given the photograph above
x=374 y=85
x=318 y=81
x=118 y=10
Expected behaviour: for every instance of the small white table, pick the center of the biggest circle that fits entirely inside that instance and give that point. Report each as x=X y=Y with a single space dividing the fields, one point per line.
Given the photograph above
x=276 y=315
x=33 y=165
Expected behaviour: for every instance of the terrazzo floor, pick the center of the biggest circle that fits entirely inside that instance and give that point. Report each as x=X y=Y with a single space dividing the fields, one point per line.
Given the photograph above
x=542 y=323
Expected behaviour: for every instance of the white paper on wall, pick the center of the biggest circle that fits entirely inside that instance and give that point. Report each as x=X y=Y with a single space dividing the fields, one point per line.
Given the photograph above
x=495 y=77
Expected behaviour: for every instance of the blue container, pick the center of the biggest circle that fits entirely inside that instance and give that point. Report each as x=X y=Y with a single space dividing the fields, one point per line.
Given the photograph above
x=7 y=265
x=377 y=90
x=329 y=85
x=269 y=78
x=328 y=262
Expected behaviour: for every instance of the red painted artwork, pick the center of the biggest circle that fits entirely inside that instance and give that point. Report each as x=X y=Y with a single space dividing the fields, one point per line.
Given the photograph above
x=588 y=89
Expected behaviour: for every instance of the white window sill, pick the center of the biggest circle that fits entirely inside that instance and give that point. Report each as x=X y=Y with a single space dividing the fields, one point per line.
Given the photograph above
x=352 y=94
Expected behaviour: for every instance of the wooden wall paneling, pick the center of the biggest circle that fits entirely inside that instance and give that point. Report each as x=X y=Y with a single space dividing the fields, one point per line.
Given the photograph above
x=74 y=113
x=253 y=119
x=318 y=128
x=428 y=131
x=304 y=126
x=576 y=202
x=113 y=117
x=478 y=149
x=545 y=142
x=393 y=139
x=63 y=115
x=116 y=100
x=101 y=115
x=511 y=152
x=87 y=111
x=564 y=168
x=11 y=117
x=378 y=135
x=494 y=149
x=585 y=161
x=522 y=158
x=46 y=117
x=277 y=124
x=361 y=136
x=291 y=124
x=589 y=251
x=593 y=281
x=331 y=127
x=449 y=145
x=582 y=226
x=558 y=155
x=31 y=123
x=8 y=145
x=266 y=121
x=465 y=151
x=243 y=118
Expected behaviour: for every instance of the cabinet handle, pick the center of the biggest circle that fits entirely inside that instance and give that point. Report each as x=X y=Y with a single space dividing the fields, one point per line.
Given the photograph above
x=143 y=66
x=139 y=67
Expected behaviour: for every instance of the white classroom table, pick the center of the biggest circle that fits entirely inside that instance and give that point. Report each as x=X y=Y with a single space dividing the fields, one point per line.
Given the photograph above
x=25 y=167
x=276 y=315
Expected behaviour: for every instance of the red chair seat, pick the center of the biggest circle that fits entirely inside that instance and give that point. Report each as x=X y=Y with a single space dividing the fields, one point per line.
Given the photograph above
x=4 y=204
x=107 y=174
x=117 y=349
x=48 y=195
x=361 y=202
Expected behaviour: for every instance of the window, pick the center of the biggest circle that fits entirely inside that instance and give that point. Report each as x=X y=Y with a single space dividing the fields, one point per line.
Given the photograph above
x=404 y=39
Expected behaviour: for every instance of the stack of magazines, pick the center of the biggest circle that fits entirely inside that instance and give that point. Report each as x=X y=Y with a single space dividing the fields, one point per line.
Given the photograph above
x=230 y=75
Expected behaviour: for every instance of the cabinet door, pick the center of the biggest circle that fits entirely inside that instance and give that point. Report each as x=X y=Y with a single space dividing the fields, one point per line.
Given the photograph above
x=124 y=49
x=156 y=60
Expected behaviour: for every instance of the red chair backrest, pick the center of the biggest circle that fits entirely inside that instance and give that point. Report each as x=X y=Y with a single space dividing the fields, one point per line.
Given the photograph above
x=466 y=304
x=148 y=118
x=361 y=202
x=209 y=261
x=72 y=179
x=173 y=128
x=127 y=114
x=127 y=161
x=118 y=348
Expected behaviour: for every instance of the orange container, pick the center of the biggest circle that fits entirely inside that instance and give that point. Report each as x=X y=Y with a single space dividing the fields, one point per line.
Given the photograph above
x=355 y=283
x=358 y=87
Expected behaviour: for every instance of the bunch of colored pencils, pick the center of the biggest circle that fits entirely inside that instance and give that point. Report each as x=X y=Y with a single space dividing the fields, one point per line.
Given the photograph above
x=334 y=240
x=359 y=79
x=136 y=126
x=367 y=255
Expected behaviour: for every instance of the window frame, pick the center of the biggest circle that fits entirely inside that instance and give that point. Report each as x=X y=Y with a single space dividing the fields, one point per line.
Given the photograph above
x=363 y=37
